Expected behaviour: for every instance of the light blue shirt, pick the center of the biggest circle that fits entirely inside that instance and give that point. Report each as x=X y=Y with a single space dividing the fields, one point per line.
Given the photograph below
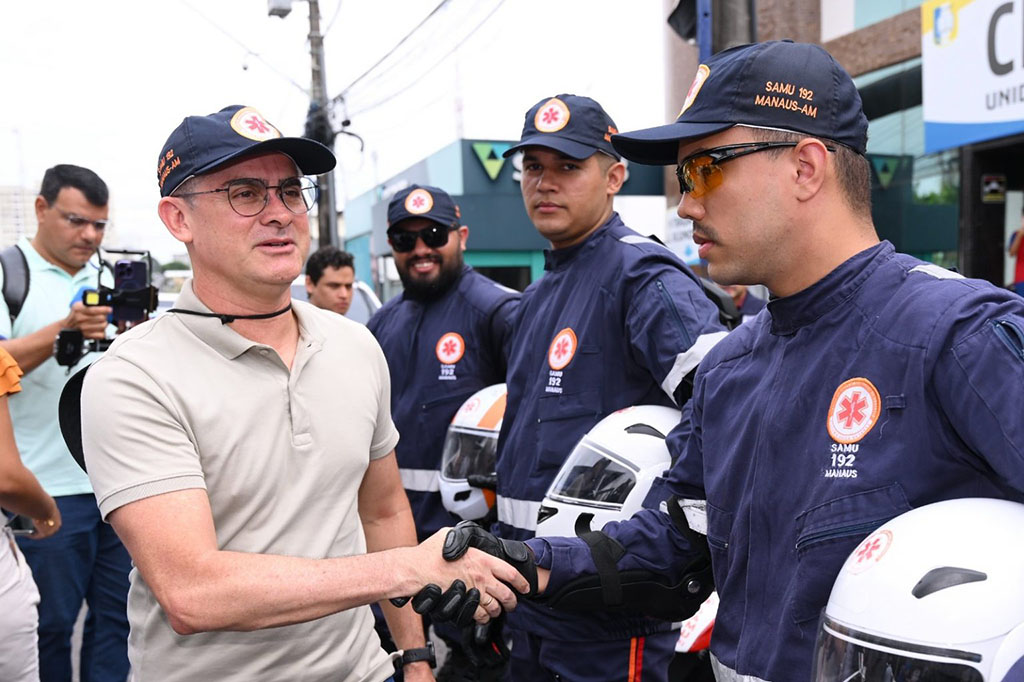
x=34 y=410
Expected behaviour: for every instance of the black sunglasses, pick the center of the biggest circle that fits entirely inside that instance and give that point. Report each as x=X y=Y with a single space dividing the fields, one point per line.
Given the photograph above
x=433 y=237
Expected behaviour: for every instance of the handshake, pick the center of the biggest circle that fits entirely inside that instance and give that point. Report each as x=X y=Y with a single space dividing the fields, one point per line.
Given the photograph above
x=482 y=636
x=457 y=604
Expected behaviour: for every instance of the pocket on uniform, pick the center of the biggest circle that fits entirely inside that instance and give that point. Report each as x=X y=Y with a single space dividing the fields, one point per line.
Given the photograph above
x=461 y=397
x=1011 y=335
x=433 y=419
x=719 y=536
x=827 y=534
x=561 y=421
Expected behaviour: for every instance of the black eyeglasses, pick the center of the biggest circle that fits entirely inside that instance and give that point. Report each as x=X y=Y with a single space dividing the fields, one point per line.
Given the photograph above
x=249 y=196
x=700 y=173
x=78 y=222
x=434 y=237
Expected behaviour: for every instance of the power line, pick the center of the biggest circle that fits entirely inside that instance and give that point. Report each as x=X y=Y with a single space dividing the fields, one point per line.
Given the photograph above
x=447 y=54
x=337 y=11
x=424 y=62
x=408 y=35
x=245 y=47
x=427 y=34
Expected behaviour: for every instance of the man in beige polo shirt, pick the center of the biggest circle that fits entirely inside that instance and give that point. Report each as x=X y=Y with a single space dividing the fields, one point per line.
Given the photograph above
x=242 y=446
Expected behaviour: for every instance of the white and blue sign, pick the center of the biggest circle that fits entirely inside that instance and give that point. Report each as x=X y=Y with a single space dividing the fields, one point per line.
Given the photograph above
x=972 y=54
x=679 y=237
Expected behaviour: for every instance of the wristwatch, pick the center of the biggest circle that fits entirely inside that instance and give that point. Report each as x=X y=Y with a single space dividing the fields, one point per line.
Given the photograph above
x=425 y=653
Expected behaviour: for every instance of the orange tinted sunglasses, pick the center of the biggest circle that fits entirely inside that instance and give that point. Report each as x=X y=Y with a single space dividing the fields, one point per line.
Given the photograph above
x=700 y=173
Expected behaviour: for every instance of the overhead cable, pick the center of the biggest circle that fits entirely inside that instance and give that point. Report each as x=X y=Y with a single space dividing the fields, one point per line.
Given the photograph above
x=447 y=54
x=366 y=73
x=245 y=47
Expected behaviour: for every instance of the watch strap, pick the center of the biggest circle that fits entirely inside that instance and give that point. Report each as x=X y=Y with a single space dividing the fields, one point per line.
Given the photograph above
x=425 y=653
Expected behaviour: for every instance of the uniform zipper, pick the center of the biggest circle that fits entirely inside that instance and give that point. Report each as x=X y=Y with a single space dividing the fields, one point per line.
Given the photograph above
x=1011 y=335
x=675 y=312
x=843 y=532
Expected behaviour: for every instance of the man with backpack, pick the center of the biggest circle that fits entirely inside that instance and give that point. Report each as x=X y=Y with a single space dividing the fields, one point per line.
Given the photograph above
x=85 y=560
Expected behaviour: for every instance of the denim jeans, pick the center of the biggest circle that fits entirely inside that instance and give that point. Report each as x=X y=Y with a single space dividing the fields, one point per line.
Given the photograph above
x=86 y=561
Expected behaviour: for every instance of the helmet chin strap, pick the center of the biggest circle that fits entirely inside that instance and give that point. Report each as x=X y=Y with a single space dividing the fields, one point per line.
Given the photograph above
x=226 y=319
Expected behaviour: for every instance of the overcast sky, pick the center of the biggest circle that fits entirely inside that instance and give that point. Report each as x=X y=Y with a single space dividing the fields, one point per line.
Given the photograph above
x=102 y=83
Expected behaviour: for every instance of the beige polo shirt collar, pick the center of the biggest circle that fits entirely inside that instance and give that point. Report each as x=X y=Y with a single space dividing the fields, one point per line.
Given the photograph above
x=226 y=340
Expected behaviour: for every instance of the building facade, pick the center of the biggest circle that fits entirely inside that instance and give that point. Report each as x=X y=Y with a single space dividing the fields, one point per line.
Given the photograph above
x=955 y=202
x=503 y=244
x=17 y=214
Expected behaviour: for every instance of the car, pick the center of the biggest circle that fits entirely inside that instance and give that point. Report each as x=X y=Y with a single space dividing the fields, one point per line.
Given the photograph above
x=364 y=302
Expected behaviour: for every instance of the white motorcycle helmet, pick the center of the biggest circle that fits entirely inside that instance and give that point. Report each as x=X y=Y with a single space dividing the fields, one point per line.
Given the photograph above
x=936 y=594
x=610 y=470
x=470 y=448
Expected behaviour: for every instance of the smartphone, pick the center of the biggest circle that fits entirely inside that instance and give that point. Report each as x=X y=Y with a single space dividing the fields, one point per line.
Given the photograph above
x=129 y=275
x=21 y=525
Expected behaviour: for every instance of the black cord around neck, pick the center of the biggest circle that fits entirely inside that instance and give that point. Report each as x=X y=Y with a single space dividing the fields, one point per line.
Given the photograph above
x=227 y=319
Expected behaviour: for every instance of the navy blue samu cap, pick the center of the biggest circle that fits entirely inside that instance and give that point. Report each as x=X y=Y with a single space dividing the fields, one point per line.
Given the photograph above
x=780 y=84
x=201 y=144
x=574 y=125
x=423 y=201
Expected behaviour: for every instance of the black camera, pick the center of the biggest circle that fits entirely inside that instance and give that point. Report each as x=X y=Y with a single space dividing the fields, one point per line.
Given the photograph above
x=132 y=298
x=71 y=346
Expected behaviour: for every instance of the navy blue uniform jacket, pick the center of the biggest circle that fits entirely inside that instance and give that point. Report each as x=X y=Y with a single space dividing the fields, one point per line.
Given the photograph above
x=439 y=353
x=617 y=320
x=889 y=384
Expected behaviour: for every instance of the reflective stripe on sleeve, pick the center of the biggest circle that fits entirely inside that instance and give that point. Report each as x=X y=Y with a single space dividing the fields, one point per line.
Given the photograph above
x=695 y=511
x=636 y=239
x=687 y=360
x=421 y=480
x=519 y=513
x=937 y=271
x=723 y=673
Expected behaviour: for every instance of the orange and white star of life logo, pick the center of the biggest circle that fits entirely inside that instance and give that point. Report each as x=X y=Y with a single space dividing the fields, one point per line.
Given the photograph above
x=419 y=201
x=869 y=552
x=551 y=117
x=563 y=347
x=698 y=81
x=250 y=123
x=450 y=348
x=854 y=410
x=469 y=406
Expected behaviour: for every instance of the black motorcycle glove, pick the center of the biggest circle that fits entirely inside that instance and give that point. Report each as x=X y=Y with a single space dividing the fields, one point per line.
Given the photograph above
x=485 y=645
x=468 y=534
x=485 y=482
x=457 y=604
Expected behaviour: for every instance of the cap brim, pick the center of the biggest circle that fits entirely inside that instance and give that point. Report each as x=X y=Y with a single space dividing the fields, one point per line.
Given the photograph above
x=310 y=156
x=425 y=217
x=659 y=146
x=572 y=149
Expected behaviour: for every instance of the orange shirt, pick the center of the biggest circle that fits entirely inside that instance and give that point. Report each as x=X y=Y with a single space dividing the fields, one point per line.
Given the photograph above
x=10 y=373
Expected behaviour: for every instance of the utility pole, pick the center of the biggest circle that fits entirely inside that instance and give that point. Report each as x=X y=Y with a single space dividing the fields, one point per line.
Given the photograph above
x=326 y=212
x=318 y=119
x=714 y=25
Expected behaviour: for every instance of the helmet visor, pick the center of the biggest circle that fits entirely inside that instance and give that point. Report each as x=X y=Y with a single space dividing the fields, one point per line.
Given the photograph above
x=592 y=477
x=846 y=655
x=468 y=452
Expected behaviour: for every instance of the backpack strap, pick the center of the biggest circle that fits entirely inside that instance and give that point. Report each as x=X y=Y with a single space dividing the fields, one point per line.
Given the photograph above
x=16 y=274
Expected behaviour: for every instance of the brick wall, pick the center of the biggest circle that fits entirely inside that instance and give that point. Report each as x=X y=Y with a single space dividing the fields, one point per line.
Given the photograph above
x=890 y=41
